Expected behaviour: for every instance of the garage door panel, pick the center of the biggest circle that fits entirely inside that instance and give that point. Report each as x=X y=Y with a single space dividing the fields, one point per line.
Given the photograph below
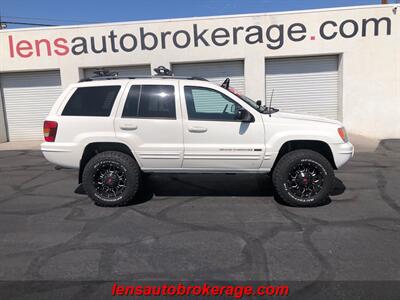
x=215 y=72
x=304 y=85
x=28 y=80
x=303 y=65
x=28 y=98
x=305 y=90
x=304 y=81
x=125 y=71
x=3 y=132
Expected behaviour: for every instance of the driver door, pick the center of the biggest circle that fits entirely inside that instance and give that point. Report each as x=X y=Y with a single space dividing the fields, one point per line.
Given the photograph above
x=213 y=138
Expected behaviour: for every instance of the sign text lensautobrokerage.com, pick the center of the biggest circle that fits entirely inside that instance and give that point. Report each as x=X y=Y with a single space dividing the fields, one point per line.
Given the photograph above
x=274 y=37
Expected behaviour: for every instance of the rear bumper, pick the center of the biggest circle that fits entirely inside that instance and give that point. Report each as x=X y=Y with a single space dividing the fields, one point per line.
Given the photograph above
x=342 y=153
x=62 y=154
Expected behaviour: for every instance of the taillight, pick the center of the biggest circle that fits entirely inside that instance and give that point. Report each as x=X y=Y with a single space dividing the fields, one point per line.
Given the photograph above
x=343 y=134
x=50 y=131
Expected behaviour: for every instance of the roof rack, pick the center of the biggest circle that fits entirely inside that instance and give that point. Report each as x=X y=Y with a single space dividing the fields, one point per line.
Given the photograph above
x=161 y=73
x=94 y=78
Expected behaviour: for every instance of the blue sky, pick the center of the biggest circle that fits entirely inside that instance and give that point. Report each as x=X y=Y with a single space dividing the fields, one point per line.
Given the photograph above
x=89 y=11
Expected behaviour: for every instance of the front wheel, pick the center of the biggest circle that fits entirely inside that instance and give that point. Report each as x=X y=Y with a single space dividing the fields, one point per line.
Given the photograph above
x=303 y=178
x=111 y=178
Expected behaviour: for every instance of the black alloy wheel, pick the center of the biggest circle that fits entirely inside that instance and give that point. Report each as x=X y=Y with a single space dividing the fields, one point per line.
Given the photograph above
x=305 y=180
x=110 y=180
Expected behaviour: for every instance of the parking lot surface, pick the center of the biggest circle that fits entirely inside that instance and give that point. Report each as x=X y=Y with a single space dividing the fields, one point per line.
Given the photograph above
x=200 y=227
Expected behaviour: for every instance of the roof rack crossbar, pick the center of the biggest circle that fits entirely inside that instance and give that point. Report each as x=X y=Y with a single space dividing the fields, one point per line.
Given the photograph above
x=113 y=77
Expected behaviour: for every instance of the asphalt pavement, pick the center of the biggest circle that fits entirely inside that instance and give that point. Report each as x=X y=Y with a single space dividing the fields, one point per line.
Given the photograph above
x=199 y=228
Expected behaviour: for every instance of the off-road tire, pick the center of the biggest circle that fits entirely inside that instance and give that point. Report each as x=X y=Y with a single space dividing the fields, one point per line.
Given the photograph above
x=120 y=160
x=281 y=171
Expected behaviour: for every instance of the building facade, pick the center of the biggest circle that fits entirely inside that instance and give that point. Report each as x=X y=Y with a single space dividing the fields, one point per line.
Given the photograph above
x=341 y=63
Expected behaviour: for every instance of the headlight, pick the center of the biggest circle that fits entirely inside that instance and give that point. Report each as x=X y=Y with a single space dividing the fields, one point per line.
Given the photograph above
x=343 y=134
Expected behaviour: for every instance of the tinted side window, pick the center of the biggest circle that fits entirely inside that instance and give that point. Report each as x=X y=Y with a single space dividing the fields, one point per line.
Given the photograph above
x=92 y=101
x=131 y=107
x=208 y=104
x=150 y=101
x=157 y=101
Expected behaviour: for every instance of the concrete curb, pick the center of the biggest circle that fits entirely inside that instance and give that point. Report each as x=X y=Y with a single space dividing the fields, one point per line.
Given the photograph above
x=25 y=145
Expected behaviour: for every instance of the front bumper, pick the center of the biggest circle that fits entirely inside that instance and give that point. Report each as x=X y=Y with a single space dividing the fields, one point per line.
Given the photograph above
x=342 y=153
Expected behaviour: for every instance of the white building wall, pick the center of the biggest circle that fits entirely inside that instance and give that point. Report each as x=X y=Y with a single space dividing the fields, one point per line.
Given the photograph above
x=370 y=65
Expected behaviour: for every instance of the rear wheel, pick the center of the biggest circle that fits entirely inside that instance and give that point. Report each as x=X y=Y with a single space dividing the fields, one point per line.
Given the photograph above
x=303 y=178
x=111 y=178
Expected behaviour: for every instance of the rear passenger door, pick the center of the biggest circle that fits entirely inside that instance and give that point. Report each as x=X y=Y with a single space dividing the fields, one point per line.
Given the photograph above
x=149 y=120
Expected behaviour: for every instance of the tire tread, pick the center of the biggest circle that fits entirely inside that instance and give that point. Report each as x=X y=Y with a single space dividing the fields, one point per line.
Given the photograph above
x=128 y=162
x=280 y=171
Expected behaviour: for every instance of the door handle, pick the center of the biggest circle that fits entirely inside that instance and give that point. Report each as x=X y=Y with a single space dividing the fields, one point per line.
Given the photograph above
x=197 y=129
x=128 y=127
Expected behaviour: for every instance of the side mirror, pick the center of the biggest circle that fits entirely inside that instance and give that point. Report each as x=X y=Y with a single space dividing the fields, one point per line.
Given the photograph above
x=244 y=116
x=258 y=102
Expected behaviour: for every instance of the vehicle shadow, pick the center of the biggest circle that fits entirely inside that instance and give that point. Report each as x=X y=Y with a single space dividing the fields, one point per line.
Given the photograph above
x=206 y=185
x=211 y=185
x=338 y=187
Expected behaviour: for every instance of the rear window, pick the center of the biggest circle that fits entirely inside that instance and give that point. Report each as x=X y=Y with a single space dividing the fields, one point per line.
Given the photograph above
x=96 y=101
x=150 y=101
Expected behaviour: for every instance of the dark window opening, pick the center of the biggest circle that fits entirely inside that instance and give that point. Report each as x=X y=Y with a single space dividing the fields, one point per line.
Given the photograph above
x=91 y=101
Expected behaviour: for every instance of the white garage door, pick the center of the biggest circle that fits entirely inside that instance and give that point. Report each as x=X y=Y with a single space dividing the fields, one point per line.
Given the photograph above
x=304 y=85
x=28 y=98
x=126 y=71
x=215 y=72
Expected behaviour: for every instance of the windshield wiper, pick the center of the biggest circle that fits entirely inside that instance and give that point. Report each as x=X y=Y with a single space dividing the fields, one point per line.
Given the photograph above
x=262 y=108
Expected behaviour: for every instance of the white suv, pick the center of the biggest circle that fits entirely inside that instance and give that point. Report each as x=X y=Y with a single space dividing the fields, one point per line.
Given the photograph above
x=113 y=130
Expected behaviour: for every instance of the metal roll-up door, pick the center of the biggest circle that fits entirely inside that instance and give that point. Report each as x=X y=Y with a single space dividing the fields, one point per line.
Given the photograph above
x=28 y=98
x=125 y=71
x=215 y=72
x=304 y=85
x=3 y=132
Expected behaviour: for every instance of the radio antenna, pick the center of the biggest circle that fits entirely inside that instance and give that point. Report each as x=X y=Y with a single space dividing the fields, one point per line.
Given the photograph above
x=270 y=102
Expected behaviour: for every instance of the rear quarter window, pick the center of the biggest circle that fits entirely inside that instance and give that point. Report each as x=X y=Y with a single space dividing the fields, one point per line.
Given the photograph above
x=96 y=101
